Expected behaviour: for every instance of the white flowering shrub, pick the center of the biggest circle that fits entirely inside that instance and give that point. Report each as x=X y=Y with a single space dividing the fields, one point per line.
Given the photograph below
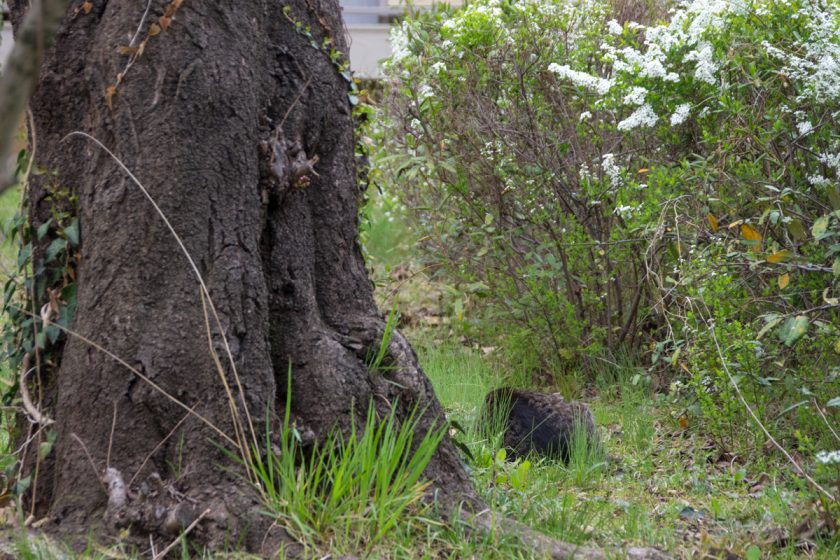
x=603 y=178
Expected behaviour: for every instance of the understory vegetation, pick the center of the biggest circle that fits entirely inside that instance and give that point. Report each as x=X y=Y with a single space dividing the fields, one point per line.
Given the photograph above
x=611 y=195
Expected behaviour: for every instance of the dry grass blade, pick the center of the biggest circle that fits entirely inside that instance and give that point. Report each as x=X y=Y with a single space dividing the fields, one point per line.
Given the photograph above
x=174 y=543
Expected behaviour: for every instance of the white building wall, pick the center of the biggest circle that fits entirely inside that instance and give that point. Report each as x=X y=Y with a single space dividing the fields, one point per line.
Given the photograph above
x=5 y=43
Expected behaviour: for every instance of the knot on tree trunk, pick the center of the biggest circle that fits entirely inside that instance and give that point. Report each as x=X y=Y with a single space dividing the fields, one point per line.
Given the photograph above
x=153 y=506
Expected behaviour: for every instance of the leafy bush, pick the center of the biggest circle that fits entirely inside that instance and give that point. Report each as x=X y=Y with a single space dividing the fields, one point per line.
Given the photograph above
x=598 y=181
x=518 y=197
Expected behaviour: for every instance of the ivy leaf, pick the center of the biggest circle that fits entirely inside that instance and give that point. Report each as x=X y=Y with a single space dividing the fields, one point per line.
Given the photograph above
x=71 y=232
x=43 y=229
x=55 y=248
x=793 y=329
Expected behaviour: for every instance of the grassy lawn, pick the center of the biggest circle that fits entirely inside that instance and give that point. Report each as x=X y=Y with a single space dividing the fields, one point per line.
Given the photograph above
x=663 y=485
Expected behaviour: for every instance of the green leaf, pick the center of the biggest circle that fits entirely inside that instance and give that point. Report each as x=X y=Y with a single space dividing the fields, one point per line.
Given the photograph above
x=55 y=249
x=835 y=268
x=793 y=329
x=753 y=553
x=819 y=227
x=834 y=197
x=797 y=230
x=501 y=455
x=835 y=402
x=43 y=229
x=71 y=232
x=772 y=321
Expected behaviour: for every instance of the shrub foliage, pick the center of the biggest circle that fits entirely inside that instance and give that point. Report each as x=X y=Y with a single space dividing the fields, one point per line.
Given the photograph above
x=672 y=186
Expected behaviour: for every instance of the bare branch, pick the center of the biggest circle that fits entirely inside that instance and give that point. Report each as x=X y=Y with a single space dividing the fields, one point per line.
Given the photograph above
x=17 y=82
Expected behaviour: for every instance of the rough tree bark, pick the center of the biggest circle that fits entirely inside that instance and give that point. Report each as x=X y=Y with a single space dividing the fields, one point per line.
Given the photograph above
x=242 y=132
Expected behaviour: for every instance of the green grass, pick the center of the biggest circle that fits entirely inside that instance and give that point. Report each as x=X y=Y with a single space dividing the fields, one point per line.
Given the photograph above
x=661 y=486
x=9 y=205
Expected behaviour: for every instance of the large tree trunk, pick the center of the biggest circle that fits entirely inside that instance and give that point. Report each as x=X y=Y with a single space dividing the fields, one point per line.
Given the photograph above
x=217 y=119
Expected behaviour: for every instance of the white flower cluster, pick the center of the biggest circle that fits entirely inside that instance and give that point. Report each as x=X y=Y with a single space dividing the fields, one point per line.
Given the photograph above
x=828 y=457
x=625 y=212
x=611 y=170
x=680 y=114
x=705 y=69
x=636 y=96
x=815 y=62
x=398 y=37
x=643 y=116
x=582 y=79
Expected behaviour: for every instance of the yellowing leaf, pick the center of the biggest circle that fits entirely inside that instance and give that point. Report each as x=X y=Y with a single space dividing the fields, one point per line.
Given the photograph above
x=778 y=256
x=830 y=300
x=784 y=280
x=712 y=221
x=110 y=92
x=164 y=22
x=751 y=234
x=683 y=422
x=643 y=170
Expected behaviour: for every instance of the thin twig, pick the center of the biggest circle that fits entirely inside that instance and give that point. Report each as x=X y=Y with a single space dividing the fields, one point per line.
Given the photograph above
x=827 y=424
x=90 y=460
x=159 y=445
x=111 y=437
x=142 y=21
x=174 y=543
x=28 y=406
x=294 y=102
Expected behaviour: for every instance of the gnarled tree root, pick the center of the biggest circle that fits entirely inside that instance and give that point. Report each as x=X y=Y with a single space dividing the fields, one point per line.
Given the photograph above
x=490 y=522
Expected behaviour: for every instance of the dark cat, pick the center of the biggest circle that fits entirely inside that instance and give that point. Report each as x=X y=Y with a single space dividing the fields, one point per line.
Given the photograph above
x=540 y=422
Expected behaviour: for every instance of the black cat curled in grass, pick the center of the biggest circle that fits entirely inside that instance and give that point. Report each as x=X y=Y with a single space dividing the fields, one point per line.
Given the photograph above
x=543 y=423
